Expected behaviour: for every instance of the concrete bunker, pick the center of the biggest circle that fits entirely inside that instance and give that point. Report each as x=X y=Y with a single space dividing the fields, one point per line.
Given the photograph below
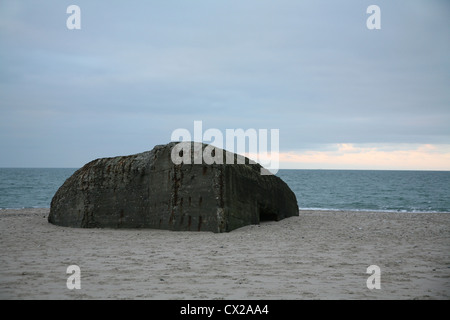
x=148 y=190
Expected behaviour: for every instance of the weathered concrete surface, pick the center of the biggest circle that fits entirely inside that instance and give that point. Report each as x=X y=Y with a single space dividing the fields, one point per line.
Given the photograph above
x=147 y=190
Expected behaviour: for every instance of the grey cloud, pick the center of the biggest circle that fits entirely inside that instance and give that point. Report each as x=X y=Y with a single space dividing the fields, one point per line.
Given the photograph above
x=310 y=69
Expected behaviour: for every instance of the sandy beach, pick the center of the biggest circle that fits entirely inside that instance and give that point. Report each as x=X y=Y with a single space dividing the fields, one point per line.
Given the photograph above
x=318 y=255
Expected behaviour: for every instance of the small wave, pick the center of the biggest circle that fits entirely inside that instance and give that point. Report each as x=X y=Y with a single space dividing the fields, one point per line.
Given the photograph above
x=374 y=210
x=22 y=208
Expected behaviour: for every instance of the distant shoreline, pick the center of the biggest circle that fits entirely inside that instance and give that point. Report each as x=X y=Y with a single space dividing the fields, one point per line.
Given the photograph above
x=281 y=169
x=301 y=210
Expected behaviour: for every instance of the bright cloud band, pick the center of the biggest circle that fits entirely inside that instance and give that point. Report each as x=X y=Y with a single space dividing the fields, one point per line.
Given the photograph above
x=352 y=156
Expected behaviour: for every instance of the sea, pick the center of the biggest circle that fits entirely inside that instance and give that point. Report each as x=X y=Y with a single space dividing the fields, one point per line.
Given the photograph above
x=355 y=190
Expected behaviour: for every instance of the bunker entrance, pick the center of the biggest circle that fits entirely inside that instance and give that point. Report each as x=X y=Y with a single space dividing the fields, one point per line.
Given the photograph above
x=266 y=214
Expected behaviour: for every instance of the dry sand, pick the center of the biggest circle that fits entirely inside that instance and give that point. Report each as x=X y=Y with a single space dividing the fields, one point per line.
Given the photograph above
x=318 y=255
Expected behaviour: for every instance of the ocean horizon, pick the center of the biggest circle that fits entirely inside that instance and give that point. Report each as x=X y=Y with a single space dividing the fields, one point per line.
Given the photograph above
x=315 y=189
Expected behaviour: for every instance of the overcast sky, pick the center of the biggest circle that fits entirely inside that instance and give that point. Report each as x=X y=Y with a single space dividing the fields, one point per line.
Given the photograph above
x=342 y=96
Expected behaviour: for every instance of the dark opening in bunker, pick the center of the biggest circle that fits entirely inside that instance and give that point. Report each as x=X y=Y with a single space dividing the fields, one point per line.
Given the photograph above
x=266 y=214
